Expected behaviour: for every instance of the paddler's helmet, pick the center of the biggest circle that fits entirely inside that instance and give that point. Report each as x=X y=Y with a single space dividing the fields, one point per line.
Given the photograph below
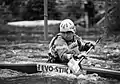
x=67 y=25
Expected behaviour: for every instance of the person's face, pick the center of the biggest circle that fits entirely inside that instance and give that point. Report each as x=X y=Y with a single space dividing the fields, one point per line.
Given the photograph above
x=68 y=35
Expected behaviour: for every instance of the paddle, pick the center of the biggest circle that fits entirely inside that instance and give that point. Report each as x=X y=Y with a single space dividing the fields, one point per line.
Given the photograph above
x=84 y=57
x=75 y=64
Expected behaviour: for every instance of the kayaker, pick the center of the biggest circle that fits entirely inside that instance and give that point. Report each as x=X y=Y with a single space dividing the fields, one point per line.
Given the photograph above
x=66 y=44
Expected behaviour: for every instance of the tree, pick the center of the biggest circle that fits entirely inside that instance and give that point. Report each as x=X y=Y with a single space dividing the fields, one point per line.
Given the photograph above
x=70 y=8
x=113 y=18
x=35 y=10
x=30 y=9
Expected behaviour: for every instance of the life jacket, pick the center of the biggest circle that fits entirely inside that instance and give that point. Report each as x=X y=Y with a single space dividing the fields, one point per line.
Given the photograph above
x=54 y=58
x=53 y=40
x=53 y=55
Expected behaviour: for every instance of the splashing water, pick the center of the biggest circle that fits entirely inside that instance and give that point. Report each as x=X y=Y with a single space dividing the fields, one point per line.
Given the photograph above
x=8 y=76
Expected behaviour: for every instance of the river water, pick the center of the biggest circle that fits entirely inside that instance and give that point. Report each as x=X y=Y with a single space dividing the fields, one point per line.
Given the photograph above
x=13 y=77
x=23 y=53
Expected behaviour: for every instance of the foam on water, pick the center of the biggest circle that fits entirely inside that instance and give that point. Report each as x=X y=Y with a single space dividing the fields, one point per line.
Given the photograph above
x=7 y=75
x=13 y=77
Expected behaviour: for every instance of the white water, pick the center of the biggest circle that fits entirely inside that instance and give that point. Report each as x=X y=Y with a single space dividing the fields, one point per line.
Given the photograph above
x=33 y=23
x=7 y=73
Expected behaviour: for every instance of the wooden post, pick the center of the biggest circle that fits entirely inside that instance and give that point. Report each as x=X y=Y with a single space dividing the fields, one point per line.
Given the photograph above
x=86 y=20
x=86 y=24
x=45 y=20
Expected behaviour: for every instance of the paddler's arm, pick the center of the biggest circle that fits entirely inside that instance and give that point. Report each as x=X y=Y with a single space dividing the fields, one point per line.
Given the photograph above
x=83 y=46
x=62 y=49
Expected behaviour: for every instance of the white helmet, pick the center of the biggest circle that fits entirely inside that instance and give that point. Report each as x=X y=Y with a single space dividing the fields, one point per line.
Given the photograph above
x=67 y=25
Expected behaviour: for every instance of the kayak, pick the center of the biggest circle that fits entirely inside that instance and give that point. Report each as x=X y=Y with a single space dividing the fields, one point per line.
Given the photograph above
x=43 y=67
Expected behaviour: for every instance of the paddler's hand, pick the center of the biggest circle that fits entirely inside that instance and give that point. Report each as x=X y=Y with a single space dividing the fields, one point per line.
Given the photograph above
x=83 y=54
x=89 y=44
x=69 y=56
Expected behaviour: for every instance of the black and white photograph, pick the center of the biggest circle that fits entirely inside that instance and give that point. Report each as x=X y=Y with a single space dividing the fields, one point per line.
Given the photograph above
x=59 y=41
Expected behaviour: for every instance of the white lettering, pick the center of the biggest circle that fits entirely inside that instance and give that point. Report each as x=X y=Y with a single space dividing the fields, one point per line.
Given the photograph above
x=51 y=68
x=48 y=68
x=45 y=68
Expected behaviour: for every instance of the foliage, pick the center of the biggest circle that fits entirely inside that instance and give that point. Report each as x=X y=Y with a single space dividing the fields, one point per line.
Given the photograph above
x=113 y=18
x=35 y=10
x=29 y=9
x=71 y=9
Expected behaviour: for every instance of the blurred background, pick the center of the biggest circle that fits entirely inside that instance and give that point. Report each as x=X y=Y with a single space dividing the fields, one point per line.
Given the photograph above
x=22 y=21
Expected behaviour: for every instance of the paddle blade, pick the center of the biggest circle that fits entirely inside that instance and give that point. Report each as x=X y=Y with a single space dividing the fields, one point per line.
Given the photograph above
x=73 y=66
